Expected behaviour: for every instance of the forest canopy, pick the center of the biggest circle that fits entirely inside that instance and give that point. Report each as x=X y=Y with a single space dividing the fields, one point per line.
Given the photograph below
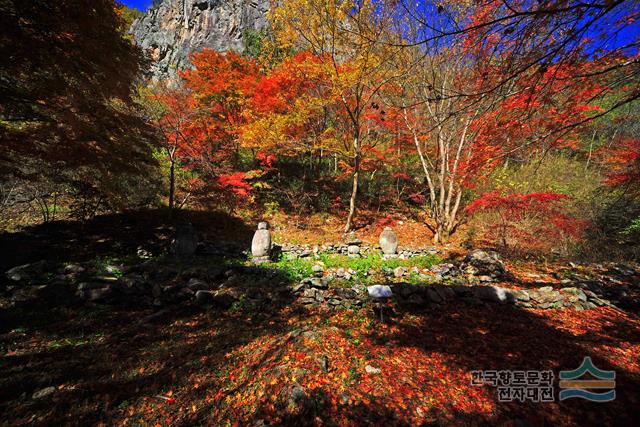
x=424 y=108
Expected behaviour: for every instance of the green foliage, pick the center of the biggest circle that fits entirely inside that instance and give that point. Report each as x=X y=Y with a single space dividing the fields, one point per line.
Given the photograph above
x=377 y=262
x=633 y=228
x=271 y=208
x=293 y=269
x=262 y=46
x=299 y=268
x=107 y=265
x=553 y=173
x=253 y=41
x=129 y=15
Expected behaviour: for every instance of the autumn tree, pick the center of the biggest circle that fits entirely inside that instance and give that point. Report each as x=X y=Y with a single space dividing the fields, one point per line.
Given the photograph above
x=199 y=119
x=173 y=113
x=65 y=96
x=292 y=109
x=222 y=85
x=464 y=121
x=533 y=35
x=534 y=218
x=356 y=43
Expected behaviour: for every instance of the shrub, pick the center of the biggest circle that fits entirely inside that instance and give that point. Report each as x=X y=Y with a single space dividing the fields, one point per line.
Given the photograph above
x=536 y=218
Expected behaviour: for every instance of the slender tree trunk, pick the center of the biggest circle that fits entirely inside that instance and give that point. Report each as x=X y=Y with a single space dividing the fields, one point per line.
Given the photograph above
x=172 y=184
x=352 y=202
x=437 y=234
x=55 y=204
x=354 y=186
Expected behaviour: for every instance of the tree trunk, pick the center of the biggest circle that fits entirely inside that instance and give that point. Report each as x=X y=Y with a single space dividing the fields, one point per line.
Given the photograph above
x=354 y=185
x=441 y=235
x=352 y=202
x=172 y=185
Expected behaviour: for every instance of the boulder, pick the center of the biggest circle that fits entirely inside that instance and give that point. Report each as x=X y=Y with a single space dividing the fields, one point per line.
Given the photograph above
x=486 y=263
x=351 y=239
x=493 y=294
x=197 y=285
x=400 y=271
x=345 y=293
x=95 y=294
x=45 y=392
x=372 y=370
x=520 y=295
x=323 y=361
x=353 y=250
x=204 y=296
x=298 y=398
x=73 y=268
x=379 y=291
x=405 y=290
x=131 y=283
x=319 y=283
x=433 y=296
x=223 y=300
x=310 y=293
x=545 y=296
x=317 y=270
x=442 y=269
x=29 y=273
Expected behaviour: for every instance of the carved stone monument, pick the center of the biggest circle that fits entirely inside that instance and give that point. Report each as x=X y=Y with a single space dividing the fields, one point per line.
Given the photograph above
x=186 y=240
x=261 y=243
x=389 y=242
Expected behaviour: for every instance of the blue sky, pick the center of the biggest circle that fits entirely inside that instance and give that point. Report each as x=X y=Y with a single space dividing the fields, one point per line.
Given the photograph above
x=617 y=39
x=138 y=4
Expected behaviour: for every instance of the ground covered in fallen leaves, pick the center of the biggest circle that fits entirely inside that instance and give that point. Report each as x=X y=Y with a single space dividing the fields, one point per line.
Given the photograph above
x=298 y=367
x=288 y=365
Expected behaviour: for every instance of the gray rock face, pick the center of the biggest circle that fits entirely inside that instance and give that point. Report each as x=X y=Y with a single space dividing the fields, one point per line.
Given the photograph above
x=388 y=241
x=173 y=29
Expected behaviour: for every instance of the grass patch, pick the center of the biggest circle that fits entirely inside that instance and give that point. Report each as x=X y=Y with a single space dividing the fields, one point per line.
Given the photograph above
x=376 y=262
x=108 y=265
x=299 y=268
x=293 y=269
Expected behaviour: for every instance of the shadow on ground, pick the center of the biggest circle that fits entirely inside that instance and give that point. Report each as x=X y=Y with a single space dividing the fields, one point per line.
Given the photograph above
x=114 y=365
x=104 y=360
x=115 y=234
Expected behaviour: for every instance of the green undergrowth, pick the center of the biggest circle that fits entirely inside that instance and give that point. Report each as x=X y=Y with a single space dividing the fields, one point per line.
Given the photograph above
x=299 y=268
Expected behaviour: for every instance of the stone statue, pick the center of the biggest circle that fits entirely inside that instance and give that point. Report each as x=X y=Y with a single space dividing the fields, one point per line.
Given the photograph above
x=186 y=240
x=261 y=243
x=388 y=242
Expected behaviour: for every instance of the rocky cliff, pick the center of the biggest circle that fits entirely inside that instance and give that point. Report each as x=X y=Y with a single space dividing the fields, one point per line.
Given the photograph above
x=172 y=29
